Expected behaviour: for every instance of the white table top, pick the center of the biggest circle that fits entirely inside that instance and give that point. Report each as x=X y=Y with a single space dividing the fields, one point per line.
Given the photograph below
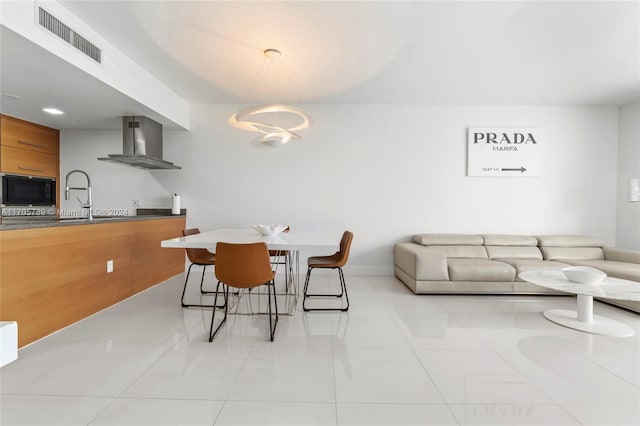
x=612 y=288
x=322 y=241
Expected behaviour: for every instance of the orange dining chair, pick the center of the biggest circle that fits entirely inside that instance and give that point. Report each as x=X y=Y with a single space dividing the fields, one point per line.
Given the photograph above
x=335 y=261
x=243 y=266
x=200 y=257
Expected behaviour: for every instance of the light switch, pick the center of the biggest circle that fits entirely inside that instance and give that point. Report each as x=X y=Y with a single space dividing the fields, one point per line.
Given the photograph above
x=109 y=266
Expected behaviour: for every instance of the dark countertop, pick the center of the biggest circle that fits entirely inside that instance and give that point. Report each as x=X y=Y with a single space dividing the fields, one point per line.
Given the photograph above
x=14 y=223
x=157 y=212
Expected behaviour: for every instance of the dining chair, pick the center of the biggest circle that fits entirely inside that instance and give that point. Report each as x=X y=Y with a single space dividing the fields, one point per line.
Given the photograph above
x=335 y=261
x=243 y=266
x=200 y=257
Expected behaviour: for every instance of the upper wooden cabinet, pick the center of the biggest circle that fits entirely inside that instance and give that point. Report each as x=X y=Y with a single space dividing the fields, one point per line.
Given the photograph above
x=28 y=148
x=29 y=136
x=24 y=162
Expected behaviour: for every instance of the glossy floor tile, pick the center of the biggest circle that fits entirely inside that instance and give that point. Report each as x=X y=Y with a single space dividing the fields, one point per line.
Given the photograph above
x=49 y=410
x=394 y=359
x=158 y=412
x=276 y=413
x=394 y=414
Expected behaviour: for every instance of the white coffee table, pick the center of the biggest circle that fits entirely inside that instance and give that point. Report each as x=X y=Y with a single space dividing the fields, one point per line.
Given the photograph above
x=583 y=319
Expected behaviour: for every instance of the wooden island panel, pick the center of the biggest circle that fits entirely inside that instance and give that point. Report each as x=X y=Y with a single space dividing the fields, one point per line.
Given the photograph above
x=52 y=277
x=151 y=263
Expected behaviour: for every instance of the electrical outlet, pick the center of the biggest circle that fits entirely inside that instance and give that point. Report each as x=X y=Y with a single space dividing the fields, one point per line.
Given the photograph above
x=136 y=203
x=109 y=266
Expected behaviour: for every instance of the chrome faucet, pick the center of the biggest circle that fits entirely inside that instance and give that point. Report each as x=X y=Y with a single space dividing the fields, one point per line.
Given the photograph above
x=89 y=203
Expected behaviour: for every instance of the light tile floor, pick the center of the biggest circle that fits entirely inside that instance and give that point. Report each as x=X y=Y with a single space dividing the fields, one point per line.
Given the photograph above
x=394 y=359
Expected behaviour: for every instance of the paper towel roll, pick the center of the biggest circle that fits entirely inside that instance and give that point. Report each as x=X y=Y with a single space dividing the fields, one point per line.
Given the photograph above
x=175 y=207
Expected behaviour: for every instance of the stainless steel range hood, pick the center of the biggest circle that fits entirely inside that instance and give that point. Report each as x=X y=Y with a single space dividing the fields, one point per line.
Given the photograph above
x=141 y=145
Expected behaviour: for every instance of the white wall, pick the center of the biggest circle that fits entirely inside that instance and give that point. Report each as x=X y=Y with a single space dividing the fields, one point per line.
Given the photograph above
x=383 y=172
x=628 y=214
x=114 y=187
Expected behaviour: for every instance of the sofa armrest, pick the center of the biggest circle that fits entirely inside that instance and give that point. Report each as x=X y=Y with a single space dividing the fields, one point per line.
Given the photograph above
x=422 y=263
x=620 y=255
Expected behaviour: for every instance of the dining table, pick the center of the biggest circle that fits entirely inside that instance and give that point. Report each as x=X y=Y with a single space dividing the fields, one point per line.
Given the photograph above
x=291 y=242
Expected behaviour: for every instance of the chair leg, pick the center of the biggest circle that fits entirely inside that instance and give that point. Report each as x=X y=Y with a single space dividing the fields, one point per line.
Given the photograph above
x=286 y=272
x=343 y=291
x=288 y=266
x=184 y=290
x=204 y=269
x=272 y=329
x=306 y=286
x=288 y=269
x=306 y=283
x=291 y=262
x=225 y=291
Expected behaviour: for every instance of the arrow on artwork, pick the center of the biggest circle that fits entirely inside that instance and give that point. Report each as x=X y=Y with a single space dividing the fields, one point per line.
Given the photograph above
x=521 y=170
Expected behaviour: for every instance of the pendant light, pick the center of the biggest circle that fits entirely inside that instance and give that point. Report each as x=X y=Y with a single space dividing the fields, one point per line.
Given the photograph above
x=268 y=119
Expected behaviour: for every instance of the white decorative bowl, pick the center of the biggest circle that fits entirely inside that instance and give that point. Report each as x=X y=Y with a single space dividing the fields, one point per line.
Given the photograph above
x=269 y=230
x=584 y=274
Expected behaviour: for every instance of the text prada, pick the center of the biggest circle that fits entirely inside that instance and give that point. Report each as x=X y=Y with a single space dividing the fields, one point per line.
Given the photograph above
x=514 y=138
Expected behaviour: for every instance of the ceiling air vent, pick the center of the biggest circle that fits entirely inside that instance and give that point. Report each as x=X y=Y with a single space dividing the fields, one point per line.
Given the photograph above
x=53 y=24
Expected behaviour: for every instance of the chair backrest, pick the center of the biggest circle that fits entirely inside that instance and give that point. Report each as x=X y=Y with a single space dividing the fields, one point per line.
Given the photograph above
x=191 y=231
x=345 y=247
x=243 y=265
x=195 y=255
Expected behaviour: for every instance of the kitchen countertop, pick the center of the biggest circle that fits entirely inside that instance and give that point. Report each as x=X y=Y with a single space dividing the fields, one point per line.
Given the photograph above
x=13 y=223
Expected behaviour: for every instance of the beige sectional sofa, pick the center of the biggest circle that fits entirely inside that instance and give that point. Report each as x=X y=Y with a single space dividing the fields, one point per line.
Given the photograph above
x=467 y=263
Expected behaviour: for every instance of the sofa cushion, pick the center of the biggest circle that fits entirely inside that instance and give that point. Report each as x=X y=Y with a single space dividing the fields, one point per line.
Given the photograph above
x=509 y=240
x=524 y=265
x=572 y=253
x=448 y=240
x=420 y=262
x=480 y=270
x=471 y=252
x=624 y=270
x=621 y=255
x=513 y=252
x=568 y=241
x=511 y=246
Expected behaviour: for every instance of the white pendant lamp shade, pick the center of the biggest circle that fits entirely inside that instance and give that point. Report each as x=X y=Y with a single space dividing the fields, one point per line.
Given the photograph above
x=254 y=119
x=277 y=123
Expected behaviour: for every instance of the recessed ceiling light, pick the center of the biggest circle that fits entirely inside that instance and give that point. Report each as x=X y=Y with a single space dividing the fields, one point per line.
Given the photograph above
x=53 y=111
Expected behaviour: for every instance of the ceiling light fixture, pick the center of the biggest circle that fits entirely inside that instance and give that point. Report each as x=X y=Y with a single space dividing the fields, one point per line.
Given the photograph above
x=53 y=111
x=277 y=122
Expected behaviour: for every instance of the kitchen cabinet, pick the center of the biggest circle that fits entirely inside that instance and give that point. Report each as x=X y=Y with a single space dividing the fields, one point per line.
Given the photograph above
x=29 y=149
x=51 y=277
x=29 y=136
x=24 y=162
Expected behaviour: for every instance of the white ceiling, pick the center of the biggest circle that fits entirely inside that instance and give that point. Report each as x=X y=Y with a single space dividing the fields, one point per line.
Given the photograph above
x=42 y=79
x=383 y=52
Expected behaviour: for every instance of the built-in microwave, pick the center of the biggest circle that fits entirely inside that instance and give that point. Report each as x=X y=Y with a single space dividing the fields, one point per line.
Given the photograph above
x=27 y=195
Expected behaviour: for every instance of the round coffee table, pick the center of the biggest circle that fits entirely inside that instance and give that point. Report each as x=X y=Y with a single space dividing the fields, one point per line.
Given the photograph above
x=583 y=319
